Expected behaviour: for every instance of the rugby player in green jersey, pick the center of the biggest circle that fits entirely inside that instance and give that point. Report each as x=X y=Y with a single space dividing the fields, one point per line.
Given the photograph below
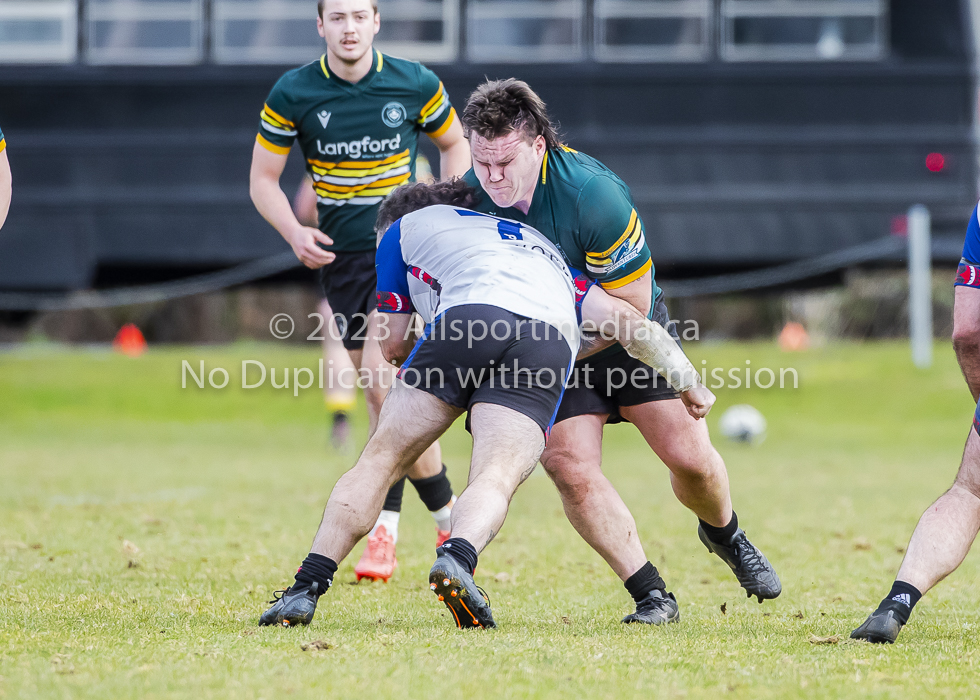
x=526 y=174
x=5 y=180
x=357 y=115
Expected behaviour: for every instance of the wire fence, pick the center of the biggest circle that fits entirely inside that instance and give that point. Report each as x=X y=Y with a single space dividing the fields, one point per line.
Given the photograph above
x=262 y=268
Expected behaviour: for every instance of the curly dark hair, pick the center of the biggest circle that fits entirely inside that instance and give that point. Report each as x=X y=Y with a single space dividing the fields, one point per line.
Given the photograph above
x=499 y=107
x=418 y=195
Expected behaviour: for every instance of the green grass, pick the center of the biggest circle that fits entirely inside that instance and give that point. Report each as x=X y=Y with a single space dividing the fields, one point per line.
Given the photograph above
x=221 y=492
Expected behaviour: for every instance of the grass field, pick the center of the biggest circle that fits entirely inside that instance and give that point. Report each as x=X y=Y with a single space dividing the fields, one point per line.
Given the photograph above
x=221 y=490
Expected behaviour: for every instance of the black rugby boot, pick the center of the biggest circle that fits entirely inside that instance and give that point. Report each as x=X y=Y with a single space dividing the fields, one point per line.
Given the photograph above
x=295 y=606
x=881 y=627
x=753 y=571
x=455 y=587
x=658 y=608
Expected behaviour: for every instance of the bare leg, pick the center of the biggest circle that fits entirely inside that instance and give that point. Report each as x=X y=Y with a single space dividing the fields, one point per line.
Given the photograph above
x=506 y=447
x=357 y=498
x=382 y=375
x=339 y=393
x=946 y=530
x=697 y=472
x=593 y=507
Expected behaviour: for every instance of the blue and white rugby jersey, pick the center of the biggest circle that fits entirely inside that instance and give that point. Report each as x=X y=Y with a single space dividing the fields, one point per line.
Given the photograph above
x=439 y=257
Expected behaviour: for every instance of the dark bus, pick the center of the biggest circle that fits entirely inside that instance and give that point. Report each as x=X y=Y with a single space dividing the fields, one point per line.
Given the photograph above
x=752 y=132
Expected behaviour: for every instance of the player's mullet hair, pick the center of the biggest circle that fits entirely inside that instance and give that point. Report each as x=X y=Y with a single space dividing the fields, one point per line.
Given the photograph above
x=419 y=195
x=500 y=107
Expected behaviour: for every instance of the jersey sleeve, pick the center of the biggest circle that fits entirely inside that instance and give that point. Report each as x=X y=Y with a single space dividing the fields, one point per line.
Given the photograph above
x=968 y=272
x=616 y=251
x=437 y=114
x=277 y=126
x=393 y=293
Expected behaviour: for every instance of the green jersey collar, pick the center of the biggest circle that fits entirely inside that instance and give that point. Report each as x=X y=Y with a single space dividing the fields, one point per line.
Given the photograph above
x=376 y=65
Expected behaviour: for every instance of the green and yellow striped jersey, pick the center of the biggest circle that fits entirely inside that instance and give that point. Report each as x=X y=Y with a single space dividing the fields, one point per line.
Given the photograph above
x=359 y=139
x=3 y=141
x=588 y=212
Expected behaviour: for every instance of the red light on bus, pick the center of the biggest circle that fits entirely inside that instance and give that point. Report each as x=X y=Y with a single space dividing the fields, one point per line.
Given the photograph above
x=935 y=162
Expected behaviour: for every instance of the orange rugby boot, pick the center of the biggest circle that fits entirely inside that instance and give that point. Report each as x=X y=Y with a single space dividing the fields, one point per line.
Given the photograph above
x=378 y=561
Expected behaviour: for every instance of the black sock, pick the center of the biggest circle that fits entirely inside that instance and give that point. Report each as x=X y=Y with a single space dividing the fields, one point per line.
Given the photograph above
x=393 y=501
x=317 y=569
x=721 y=535
x=435 y=491
x=901 y=599
x=462 y=551
x=646 y=579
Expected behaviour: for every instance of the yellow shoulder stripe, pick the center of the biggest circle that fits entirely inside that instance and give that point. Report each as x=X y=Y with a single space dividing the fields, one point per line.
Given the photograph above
x=622 y=282
x=381 y=60
x=323 y=65
x=544 y=168
x=634 y=222
x=445 y=126
x=269 y=146
x=431 y=103
x=278 y=118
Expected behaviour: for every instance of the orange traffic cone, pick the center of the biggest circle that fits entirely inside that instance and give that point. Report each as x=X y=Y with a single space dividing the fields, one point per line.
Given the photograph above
x=794 y=337
x=129 y=341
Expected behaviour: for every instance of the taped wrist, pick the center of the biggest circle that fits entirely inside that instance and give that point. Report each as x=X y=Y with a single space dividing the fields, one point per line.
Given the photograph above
x=654 y=346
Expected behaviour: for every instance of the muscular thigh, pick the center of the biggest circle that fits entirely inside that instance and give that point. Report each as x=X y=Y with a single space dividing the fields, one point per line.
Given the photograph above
x=410 y=421
x=671 y=432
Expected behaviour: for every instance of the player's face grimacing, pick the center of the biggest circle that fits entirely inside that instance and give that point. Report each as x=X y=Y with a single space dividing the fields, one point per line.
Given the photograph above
x=508 y=167
x=349 y=27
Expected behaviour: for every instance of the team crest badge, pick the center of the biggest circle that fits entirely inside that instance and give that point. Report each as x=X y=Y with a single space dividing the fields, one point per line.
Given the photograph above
x=393 y=114
x=324 y=118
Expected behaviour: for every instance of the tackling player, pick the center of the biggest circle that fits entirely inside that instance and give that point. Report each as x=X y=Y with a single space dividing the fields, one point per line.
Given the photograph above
x=949 y=526
x=588 y=212
x=357 y=115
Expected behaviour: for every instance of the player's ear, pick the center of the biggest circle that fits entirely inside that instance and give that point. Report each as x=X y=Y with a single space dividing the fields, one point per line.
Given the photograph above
x=319 y=26
x=540 y=145
x=377 y=20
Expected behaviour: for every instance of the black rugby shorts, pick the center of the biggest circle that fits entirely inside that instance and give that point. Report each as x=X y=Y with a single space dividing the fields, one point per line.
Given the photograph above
x=518 y=362
x=350 y=284
x=604 y=383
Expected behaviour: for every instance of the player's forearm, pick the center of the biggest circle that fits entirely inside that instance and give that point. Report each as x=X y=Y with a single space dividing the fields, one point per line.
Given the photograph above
x=454 y=161
x=396 y=336
x=273 y=204
x=966 y=334
x=616 y=320
x=968 y=356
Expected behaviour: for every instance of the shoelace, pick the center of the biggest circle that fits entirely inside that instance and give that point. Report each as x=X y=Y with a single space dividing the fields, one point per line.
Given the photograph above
x=277 y=596
x=650 y=603
x=485 y=596
x=380 y=547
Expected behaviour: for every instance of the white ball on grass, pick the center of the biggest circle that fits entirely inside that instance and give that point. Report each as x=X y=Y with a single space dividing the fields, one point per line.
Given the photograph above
x=743 y=423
